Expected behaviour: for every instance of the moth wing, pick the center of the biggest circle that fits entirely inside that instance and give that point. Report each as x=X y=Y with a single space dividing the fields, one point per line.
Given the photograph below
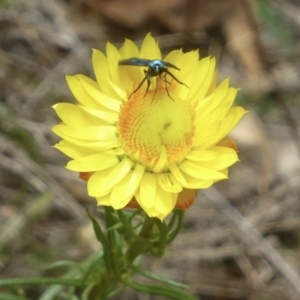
x=169 y=65
x=134 y=61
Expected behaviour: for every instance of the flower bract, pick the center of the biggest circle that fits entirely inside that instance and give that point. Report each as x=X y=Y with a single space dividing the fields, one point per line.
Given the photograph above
x=152 y=151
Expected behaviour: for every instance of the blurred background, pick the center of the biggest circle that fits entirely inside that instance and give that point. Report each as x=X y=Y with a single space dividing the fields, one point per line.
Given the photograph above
x=42 y=205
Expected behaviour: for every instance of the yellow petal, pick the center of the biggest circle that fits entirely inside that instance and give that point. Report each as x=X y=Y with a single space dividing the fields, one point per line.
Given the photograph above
x=101 y=70
x=197 y=183
x=104 y=200
x=149 y=48
x=225 y=158
x=226 y=142
x=169 y=183
x=206 y=83
x=95 y=162
x=86 y=133
x=147 y=192
x=96 y=146
x=177 y=174
x=228 y=101
x=176 y=57
x=108 y=117
x=92 y=88
x=228 y=123
x=213 y=85
x=129 y=49
x=184 y=61
x=197 y=171
x=105 y=181
x=113 y=56
x=130 y=74
x=214 y=108
x=81 y=95
x=95 y=184
x=75 y=116
x=202 y=155
x=161 y=164
x=118 y=90
x=216 y=100
x=124 y=191
x=72 y=150
x=116 y=151
x=164 y=203
x=196 y=76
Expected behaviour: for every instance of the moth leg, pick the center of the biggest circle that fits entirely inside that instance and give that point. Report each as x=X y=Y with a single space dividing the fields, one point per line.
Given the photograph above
x=146 y=77
x=148 y=81
x=168 y=72
x=155 y=88
x=166 y=81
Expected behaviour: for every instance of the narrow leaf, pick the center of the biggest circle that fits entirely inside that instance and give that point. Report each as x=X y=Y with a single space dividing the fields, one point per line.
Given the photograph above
x=171 y=293
x=159 y=278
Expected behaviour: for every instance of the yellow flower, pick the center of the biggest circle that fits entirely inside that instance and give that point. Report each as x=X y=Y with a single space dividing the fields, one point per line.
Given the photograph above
x=155 y=150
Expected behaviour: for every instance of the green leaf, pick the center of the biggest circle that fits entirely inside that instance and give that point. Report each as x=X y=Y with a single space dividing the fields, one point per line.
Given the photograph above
x=172 y=220
x=38 y=281
x=128 y=230
x=98 y=231
x=161 y=244
x=113 y=236
x=94 y=262
x=86 y=293
x=159 y=278
x=107 y=255
x=166 y=291
x=51 y=293
x=117 y=291
x=70 y=295
x=114 y=227
x=138 y=212
x=65 y=264
x=4 y=296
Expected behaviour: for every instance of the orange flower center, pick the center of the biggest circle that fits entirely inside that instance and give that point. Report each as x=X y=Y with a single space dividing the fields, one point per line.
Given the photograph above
x=155 y=130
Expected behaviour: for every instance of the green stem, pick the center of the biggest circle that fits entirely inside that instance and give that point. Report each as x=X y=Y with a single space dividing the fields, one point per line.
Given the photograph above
x=141 y=245
x=38 y=281
x=173 y=234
